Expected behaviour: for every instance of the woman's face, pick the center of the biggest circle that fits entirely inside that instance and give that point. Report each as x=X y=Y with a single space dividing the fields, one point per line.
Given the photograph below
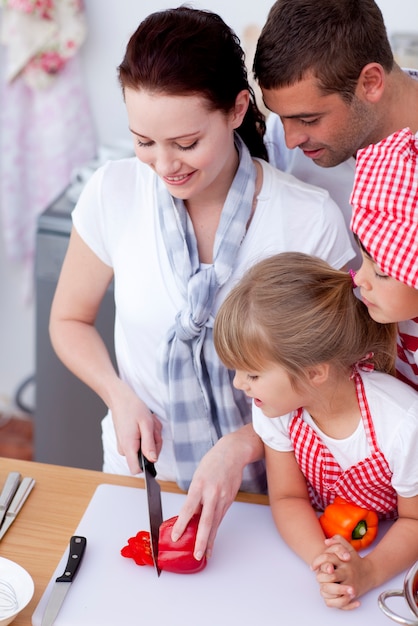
x=387 y=299
x=188 y=146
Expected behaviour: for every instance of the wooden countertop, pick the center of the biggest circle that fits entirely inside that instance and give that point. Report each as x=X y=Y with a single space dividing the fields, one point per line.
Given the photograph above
x=40 y=534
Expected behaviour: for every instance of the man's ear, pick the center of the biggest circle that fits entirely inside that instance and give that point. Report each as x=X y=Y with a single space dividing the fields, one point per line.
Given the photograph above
x=318 y=374
x=241 y=106
x=371 y=83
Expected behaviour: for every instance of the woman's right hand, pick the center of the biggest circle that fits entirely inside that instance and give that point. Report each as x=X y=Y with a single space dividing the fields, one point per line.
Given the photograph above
x=135 y=426
x=83 y=282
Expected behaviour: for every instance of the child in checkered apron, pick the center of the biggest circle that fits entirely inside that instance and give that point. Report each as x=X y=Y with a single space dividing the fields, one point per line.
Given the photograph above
x=333 y=419
x=385 y=221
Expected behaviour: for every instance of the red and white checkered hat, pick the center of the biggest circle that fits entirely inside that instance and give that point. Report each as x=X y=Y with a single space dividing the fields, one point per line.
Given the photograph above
x=385 y=204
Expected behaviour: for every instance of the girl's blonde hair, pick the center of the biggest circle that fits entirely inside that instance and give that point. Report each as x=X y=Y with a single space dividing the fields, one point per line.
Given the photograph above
x=297 y=311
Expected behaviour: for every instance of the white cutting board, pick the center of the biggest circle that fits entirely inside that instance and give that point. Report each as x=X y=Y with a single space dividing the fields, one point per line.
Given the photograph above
x=252 y=577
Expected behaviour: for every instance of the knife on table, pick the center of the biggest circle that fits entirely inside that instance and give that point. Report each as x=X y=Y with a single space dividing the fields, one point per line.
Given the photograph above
x=63 y=583
x=16 y=504
x=155 y=511
x=9 y=490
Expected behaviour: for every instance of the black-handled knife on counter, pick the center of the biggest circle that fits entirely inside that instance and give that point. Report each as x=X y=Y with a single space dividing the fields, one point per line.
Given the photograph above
x=63 y=583
x=155 y=511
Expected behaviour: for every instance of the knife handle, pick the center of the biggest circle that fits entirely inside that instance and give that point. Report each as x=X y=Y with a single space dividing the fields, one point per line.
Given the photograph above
x=77 y=549
x=20 y=496
x=9 y=489
x=144 y=464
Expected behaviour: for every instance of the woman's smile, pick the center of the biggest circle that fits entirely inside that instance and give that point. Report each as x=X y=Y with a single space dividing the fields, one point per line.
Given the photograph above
x=179 y=179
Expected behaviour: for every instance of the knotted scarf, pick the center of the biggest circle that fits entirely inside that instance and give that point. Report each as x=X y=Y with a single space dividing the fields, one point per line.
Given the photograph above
x=201 y=403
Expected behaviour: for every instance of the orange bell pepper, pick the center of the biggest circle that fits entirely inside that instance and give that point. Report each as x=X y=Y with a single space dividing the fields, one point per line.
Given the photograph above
x=357 y=525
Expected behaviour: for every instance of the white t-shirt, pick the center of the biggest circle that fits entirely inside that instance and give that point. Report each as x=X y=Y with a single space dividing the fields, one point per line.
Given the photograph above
x=337 y=180
x=117 y=218
x=394 y=409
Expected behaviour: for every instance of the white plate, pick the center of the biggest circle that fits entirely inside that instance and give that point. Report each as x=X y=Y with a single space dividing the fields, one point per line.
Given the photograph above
x=16 y=590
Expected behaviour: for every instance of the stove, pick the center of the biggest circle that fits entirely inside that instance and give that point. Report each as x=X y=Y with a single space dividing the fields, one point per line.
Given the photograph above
x=57 y=217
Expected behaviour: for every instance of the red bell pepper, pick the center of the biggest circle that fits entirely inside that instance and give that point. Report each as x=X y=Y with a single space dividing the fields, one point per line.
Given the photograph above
x=173 y=556
x=357 y=525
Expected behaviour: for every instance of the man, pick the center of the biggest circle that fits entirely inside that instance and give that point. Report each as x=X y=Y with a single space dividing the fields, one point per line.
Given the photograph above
x=326 y=69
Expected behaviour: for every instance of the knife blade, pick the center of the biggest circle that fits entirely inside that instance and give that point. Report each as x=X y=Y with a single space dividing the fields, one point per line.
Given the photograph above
x=8 y=491
x=155 y=511
x=63 y=583
x=16 y=504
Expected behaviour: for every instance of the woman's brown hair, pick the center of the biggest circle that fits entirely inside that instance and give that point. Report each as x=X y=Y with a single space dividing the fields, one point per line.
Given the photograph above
x=187 y=51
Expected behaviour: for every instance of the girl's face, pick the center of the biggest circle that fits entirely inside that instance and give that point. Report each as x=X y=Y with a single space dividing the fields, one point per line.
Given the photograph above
x=188 y=146
x=271 y=390
x=387 y=299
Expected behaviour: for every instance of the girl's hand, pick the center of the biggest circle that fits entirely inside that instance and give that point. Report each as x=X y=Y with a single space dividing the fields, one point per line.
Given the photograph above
x=329 y=559
x=343 y=575
x=135 y=426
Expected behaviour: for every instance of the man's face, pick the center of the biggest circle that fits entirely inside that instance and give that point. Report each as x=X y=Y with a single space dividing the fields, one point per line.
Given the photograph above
x=324 y=126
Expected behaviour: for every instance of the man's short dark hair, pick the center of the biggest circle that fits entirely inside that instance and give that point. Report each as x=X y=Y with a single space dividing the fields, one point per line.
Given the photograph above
x=330 y=39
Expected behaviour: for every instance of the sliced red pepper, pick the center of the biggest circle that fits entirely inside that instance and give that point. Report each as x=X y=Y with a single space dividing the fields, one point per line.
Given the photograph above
x=139 y=549
x=356 y=524
x=173 y=556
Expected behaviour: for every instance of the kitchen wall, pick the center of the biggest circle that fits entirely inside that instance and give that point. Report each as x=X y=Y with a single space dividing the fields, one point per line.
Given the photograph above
x=110 y=24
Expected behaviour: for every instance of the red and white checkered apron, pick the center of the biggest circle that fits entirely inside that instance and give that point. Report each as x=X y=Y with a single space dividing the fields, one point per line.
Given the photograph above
x=406 y=366
x=367 y=484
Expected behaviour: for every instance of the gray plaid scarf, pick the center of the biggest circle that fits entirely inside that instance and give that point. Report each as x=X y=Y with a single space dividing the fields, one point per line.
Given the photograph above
x=202 y=404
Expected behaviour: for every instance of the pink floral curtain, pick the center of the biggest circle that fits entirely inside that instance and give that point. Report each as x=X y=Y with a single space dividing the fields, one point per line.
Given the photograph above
x=46 y=129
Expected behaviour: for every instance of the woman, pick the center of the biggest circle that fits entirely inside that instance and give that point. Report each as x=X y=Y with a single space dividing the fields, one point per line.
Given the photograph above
x=175 y=228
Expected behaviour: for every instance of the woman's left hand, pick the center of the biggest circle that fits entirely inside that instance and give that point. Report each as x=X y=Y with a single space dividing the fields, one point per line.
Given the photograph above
x=215 y=485
x=211 y=493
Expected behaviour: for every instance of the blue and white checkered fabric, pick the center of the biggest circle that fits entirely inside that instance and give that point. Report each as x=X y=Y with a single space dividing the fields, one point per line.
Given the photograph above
x=202 y=404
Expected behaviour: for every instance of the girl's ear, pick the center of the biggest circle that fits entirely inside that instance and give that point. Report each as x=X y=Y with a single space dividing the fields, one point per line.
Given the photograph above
x=241 y=106
x=318 y=374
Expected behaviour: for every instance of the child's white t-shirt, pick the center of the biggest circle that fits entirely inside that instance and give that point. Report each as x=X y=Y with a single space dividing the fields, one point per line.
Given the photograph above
x=394 y=409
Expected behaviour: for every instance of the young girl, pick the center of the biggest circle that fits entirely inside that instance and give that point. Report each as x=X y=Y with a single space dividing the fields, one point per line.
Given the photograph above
x=385 y=220
x=303 y=347
x=175 y=227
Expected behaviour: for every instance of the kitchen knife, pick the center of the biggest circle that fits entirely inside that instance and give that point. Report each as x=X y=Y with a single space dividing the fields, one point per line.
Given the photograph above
x=16 y=504
x=9 y=490
x=155 y=511
x=63 y=583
